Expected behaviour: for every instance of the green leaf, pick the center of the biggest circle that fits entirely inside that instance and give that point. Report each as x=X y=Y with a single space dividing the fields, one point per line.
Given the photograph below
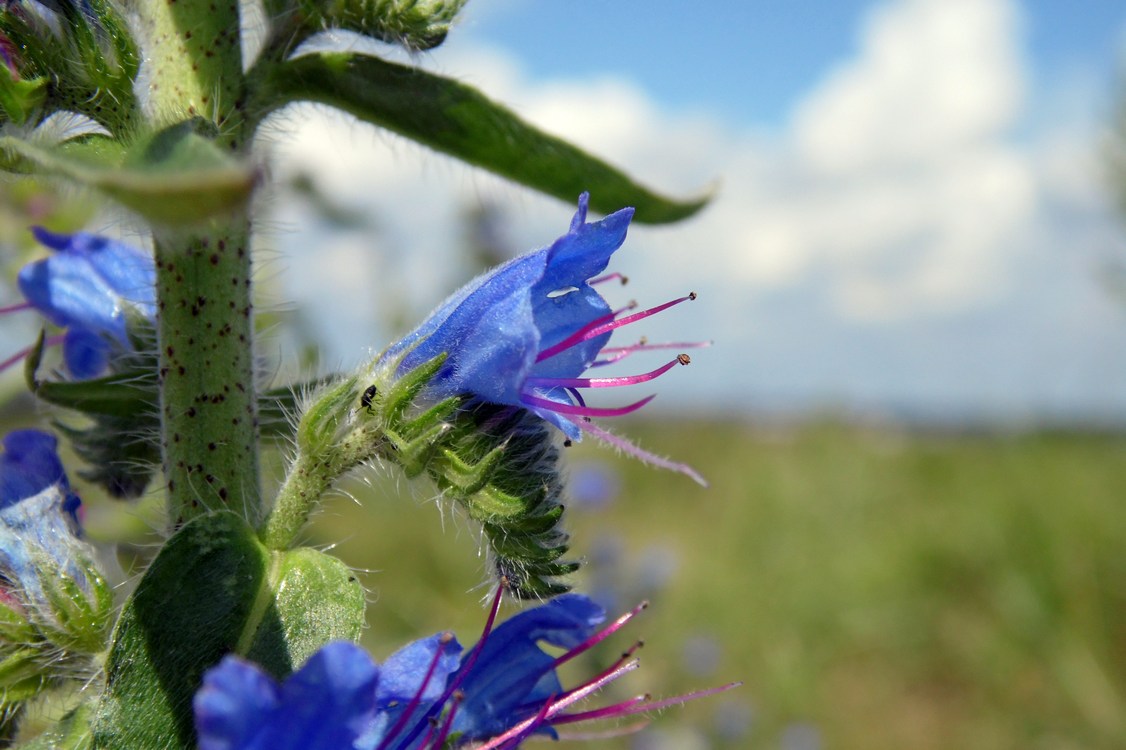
x=318 y=600
x=214 y=590
x=458 y=120
x=189 y=610
x=174 y=177
x=415 y=24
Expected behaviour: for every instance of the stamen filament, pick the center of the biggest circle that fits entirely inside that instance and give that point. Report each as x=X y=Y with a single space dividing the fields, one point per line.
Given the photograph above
x=583 y=411
x=640 y=453
x=15 y=308
x=612 y=354
x=609 y=277
x=466 y=666
x=557 y=707
x=596 y=327
x=22 y=353
x=417 y=697
x=602 y=635
x=603 y=382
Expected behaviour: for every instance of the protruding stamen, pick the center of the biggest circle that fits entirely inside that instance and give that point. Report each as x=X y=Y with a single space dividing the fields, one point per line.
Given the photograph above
x=555 y=708
x=606 y=382
x=630 y=707
x=602 y=635
x=609 y=277
x=466 y=666
x=417 y=697
x=22 y=353
x=611 y=354
x=15 y=308
x=641 y=454
x=583 y=411
x=597 y=328
x=447 y=723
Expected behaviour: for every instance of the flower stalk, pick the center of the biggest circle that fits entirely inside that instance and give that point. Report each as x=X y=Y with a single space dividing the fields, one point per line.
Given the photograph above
x=209 y=417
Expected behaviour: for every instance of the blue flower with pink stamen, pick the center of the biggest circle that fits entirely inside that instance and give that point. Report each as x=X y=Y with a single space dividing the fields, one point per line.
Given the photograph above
x=524 y=334
x=95 y=288
x=428 y=695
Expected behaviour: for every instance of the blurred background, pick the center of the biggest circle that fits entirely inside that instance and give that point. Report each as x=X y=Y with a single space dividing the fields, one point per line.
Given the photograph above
x=913 y=416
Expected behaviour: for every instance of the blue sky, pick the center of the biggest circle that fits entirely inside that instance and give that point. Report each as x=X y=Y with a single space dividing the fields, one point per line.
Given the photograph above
x=750 y=61
x=912 y=214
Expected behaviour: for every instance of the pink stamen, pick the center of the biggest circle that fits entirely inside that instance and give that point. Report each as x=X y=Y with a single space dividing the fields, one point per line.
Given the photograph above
x=440 y=741
x=633 y=706
x=15 y=308
x=602 y=635
x=417 y=698
x=606 y=382
x=616 y=709
x=609 y=277
x=555 y=708
x=599 y=326
x=612 y=354
x=641 y=454
x=22 y=354
x=467 y=665
x=533 y=724
x=583 y=411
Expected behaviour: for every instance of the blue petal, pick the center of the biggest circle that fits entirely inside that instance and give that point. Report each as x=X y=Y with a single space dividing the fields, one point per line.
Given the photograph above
x=85 y=352
x=404 y=671
x=513 y=675
x=37 y=528
x=29 y=464
x=494 y=328
x=89 y=283
x=402 y=680
x=326 y=705
x=235 y=701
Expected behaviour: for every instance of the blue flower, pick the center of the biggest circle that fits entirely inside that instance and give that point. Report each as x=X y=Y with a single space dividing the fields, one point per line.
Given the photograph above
x=94 y=287
x=524 y=334
x=38 y=515
x=428 y=694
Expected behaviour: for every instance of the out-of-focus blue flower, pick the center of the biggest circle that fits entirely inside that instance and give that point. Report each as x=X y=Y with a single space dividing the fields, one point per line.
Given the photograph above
x=38 y=515
x=425 y=696
x=92 y=286
x=523 y=334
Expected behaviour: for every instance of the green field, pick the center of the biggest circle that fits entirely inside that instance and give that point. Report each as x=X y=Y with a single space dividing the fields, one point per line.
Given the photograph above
x=872 y=588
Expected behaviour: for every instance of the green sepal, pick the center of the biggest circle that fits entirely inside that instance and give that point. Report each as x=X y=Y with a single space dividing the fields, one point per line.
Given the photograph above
x=174 y=177
x=214 y=590
x=19 y=98
x=15 y=626
x=319 y=423
x=456 y=119
x=22 y=674
x=79 y=618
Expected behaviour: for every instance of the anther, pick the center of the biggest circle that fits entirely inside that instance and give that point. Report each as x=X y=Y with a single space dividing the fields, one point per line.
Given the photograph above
x=684 y=359
x=692 y=295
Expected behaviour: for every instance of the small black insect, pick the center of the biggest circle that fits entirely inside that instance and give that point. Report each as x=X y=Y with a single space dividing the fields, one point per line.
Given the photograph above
x=365 y=400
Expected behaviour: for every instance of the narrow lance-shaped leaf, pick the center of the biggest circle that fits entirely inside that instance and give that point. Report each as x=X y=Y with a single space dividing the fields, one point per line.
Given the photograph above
x=175 y=177
x=458 y=120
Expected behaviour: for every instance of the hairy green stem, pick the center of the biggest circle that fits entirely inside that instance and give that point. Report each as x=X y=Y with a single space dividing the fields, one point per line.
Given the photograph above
x=193 y=53
x=209 y=424
x=208 y=413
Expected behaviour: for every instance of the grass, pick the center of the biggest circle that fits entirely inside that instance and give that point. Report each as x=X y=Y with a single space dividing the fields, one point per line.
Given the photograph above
x=873 y=589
